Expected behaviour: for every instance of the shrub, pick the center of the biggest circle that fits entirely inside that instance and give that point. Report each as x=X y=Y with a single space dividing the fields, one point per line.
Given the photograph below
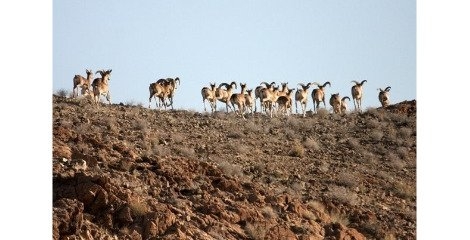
x=297 y=150
x=376 y=135
x=139 y=208
x=311 y=144
x=343 y=195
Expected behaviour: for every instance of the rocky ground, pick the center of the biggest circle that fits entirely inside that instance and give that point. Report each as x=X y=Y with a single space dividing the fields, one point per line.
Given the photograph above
x=129 y=172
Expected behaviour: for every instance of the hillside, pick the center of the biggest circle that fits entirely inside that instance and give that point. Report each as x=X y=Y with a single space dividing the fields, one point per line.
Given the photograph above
x=128 y=172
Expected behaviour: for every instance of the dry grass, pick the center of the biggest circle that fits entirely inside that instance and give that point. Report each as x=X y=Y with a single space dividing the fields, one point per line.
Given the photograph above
x=312 y=144
x=339 y=218
x=63 y=93
x=347 y=179
x=376 y=135
x=268 y=212
x=139 y=208
x=256 y=231
x=343 y=195
x=297 y=150
x=230 y=169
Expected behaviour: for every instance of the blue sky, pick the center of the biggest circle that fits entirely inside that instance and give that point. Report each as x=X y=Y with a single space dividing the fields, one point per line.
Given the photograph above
x=243 y=41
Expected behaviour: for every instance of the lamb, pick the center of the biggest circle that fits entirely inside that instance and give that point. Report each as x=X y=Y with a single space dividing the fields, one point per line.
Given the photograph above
x=356 y=92
x=249 y=101
x=83 y=83
x=101 y=87
x=384 y=96
x=209 y=95
x=318 y=95
x=335 y=102
x=285 y=103
x=344 y=104
x=301 y=95
x=239 y=100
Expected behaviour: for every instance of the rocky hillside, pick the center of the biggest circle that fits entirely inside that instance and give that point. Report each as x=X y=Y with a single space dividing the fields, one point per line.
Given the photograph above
x=128 y=172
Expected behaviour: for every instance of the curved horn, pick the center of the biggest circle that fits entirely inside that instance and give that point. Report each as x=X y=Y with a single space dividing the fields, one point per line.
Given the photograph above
x=265 y=83
x=344 y=98
x=223 y=84
x=387 y=89
x=324 y=85
x=301 y=84
x=356 y=82
x=177 y=79
x=363 y=81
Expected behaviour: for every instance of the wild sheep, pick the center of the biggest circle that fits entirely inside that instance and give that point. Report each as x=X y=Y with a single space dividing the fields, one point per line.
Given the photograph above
x=170 y=85
x=318 y=95
x=268 y=99
x=224 y=95
x=356 y=92
x=301 y=95
x=344 y=104
x=258 y=93
x=384 y=96
x=156 y=89
x=285 y=103
x=209 y=95
x=83 y=83
x=284 y=89
x=239 y=100
x=335 y=102
x=249 y=101
x=101 y=87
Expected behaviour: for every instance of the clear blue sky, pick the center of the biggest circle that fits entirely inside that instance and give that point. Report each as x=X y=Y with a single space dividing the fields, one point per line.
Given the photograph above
x=243 y=41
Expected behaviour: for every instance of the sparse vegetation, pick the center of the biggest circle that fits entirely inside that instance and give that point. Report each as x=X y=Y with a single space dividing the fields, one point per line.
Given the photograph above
x=183 y=174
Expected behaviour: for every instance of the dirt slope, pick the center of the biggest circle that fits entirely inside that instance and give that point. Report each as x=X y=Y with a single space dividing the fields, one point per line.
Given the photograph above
x=127 y=172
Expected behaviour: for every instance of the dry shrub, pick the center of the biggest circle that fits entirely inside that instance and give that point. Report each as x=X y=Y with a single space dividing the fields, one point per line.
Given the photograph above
x=297 y=150
x=404 y=191
x=373 y=123
x=322 y=113
x=317 y=206
x=343 y=195
x=294 y=122
x=269 y=213
x=231 y=169
x=395 y=161
x=139 y=208
x=324 y=167
x=241 y=149
x=185 y=151
x=347 y=179
x=252 y=127
x=310 y=143
x=63 y=93
x=376 y=135
x=354 y=143
x=140 y=124
x=256 y=231
x=405 y=132
x=290 y=134
x=337 y=217
x=177 y=138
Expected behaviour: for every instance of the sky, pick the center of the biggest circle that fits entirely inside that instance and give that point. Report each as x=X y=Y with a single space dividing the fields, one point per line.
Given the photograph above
x=243 y=41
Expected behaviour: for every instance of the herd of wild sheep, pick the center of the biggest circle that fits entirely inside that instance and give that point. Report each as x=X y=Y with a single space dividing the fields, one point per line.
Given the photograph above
x=272 y=98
